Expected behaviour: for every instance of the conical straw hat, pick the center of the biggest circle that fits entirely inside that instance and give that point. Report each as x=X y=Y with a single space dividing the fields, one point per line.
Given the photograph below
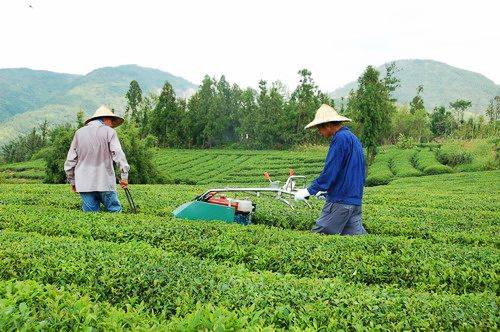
x=326 y=114
x=103 y=111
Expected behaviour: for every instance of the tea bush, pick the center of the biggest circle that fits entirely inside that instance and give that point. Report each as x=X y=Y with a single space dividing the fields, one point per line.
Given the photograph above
x=170 y=284
x=380 y=173
x=453 y=154
x=430 y=261
x=402 y=163
x=31 y=306
x=427 y=163
x=370 y=260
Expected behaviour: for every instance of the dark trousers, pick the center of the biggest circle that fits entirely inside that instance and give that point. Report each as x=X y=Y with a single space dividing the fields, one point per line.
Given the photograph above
x=337 y=218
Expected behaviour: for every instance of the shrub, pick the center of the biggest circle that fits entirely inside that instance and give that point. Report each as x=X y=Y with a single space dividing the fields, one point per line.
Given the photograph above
x=379 y=173
x=139 y=153
x=425 y=160
x=170 y=284
x=453 y=154
x=404 y=142
x=55 y=156
x=31 y=306
x=485 y=155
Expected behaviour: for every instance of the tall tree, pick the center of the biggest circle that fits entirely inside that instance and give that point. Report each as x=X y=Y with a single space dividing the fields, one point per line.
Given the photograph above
x=199 y=105
x=80 y=119
x=44 y=132
x=269 y=121
x=213 y=125
x=165 y=118
x=226 y=107
x=134 y=98
x=417 y=103
x=459 y=106
x=442 y=122
x=279 y=120
x=414 y=125
x=390 y=80
x=145 y=112
x=303 y=99
x=372 y=109
x=304 y=102
x=493 y=110
x=246 y=130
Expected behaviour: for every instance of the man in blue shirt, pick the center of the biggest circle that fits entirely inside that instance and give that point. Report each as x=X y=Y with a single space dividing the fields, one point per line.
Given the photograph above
x=342 y=178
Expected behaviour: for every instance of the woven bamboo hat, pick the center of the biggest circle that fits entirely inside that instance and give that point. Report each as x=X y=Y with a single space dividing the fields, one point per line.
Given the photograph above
x=326 y=114
x=103 y=111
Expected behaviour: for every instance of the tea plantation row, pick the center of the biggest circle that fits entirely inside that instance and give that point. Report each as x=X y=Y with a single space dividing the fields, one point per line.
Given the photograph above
x=450 y=156
x=168 y=285
x=455 y=208
x=370 y=260
x=431 y=261
x=204 y=167
x=31 y=306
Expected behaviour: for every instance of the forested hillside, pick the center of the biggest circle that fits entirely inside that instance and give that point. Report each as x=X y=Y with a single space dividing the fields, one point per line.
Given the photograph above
x=32 y=96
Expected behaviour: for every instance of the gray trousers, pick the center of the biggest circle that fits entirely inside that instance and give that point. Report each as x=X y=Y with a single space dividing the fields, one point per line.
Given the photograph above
x=337 y=218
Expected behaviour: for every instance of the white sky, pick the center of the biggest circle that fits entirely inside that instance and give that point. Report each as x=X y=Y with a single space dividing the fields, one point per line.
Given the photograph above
x=249 y=40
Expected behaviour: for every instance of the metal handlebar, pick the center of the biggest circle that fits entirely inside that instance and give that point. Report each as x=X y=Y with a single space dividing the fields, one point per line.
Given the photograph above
x=130 y=200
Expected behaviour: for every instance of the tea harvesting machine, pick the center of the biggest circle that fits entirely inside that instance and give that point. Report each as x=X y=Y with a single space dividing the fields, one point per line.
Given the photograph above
x=214 y=204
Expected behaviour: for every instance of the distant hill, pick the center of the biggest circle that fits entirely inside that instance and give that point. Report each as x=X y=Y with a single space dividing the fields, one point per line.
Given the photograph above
x=28 y=97
x=442 y=84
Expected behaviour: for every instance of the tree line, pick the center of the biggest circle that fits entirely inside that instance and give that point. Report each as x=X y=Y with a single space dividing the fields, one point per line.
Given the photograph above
x=220 y=114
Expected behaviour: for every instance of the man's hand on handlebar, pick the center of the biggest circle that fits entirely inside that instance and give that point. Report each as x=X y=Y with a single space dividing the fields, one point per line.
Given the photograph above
x=302 y=195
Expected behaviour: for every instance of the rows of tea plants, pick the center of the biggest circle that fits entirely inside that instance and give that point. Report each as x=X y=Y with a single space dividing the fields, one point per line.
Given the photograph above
x=31 y=306
x=472 y=155
x=426 y=161
x=447 y=157
x=205 y=167
x=170 y=284
x=235 y=166
x=431 y=261
x=392 y=163
x=370 y=260
x=24 y=172
x=465 y=212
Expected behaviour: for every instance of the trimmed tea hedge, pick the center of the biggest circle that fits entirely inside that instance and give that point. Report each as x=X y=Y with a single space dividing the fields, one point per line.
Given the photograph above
x=426 y=162
x=370 y=259
x=380 y=171
x=173 y=284
x=30 y=306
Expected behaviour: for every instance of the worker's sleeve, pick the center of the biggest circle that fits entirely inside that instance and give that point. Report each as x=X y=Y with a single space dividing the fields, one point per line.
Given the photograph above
x=333 y=164
x=118 y=155
x=71 y=161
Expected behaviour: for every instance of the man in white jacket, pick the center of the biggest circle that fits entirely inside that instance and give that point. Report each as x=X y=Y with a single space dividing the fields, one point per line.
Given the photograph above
x=89 y=164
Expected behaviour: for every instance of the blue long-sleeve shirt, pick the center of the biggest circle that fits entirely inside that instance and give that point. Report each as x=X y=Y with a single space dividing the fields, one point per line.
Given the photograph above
x=343 y=176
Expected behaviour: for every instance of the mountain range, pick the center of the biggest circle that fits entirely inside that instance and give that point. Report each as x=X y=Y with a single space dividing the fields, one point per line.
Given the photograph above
x=442 y=84
x=28 y=97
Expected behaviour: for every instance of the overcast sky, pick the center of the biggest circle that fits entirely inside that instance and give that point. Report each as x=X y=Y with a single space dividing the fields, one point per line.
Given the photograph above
x=249 y=40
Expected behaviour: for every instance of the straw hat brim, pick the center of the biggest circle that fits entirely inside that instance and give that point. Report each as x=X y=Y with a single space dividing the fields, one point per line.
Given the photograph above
x=317 y=122
x=116 y=119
